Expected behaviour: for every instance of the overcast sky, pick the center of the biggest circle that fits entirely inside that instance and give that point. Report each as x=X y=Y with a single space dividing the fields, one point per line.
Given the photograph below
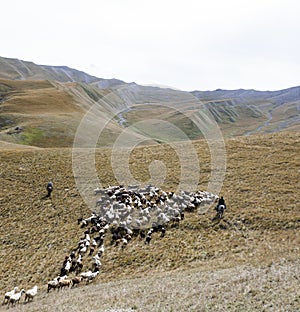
x=188 y=44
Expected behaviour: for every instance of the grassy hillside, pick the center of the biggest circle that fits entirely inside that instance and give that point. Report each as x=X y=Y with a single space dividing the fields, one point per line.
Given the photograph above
x=36 y=113
x=47 y=114
x=237 y=112
x=260 y=230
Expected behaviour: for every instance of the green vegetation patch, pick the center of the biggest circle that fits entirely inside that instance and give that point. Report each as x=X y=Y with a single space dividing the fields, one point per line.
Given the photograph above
x=31 y=136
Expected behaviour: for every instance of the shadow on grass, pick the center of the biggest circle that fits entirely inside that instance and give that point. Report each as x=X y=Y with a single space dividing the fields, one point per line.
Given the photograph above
x=46 y=197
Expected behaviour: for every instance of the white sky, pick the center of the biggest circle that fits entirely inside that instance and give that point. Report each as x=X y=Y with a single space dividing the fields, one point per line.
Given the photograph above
x=186 y=44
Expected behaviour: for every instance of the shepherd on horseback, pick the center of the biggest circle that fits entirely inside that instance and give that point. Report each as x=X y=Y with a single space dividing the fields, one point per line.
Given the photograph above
x=221 y=206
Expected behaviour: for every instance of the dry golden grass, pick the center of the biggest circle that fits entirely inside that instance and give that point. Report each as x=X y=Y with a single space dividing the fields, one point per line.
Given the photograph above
x=50 y=112
x=273 y=287
x=257 y=239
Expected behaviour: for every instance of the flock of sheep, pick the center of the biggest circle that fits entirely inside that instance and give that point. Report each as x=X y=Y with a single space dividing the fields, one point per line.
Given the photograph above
x=12 y=297
x=121 y=212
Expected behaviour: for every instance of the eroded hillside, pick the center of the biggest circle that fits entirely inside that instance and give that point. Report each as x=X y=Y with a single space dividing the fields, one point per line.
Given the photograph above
x=50 y=101
x=47 y=114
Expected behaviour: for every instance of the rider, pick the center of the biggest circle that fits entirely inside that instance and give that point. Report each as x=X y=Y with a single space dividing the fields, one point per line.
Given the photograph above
x=221 y=206
x=221 y=202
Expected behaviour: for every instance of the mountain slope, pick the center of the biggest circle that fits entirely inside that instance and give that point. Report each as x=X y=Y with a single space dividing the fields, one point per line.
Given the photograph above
x=22 y=70
x=266 y=111
x=278 y=97
x=47 y=114
x=49 y=102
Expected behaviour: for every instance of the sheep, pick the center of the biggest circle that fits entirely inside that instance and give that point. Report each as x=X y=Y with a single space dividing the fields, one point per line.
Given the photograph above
x=30 y=293
x=64 y=283
x=94 y=228
x=76 y=280
x=73 y=265
x=79 y=259
x=91 y=276
x=124 y=242
x=73 y=255
x=87 y=236
x=97 y=257
x=92 y=249
x=94 y=243
x=8 y=294
x=97 y=263
x=182 y=215
x=142 y=234
x=176 y=221
x=83 y=249
x=55 y=283
x=128 y=237
x=76 y=265
x=79 y=267
x=148 y=239
x=100 y=251
x=88 y=220
x=14 y=298
x=52 y=284
x=68 y=266
x=150 y=232
x=85 y=274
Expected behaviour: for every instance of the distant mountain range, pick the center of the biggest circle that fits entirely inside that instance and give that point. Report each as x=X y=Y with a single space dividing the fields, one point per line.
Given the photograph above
x=22 y=70
x=46 y=103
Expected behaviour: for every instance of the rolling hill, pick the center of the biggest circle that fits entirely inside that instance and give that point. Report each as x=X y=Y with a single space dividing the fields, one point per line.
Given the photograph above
x=44 y=105
x=47 y=113
x=247 y=261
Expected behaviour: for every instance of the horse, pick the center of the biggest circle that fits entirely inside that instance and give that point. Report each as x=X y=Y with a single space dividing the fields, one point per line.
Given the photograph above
x=220 y=211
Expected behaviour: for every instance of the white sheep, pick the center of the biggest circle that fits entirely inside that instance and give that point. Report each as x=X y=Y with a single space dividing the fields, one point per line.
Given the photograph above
x=30 y=293
x=79 y=259
x=86 y=274
x=100 y=250
x=94 y=243
x=8 y=294
x=87 y=237
x=52 y=284
x=97 y=262
x=68 y=266
x=83 y=249
x=90 y=276
x=15 y=297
